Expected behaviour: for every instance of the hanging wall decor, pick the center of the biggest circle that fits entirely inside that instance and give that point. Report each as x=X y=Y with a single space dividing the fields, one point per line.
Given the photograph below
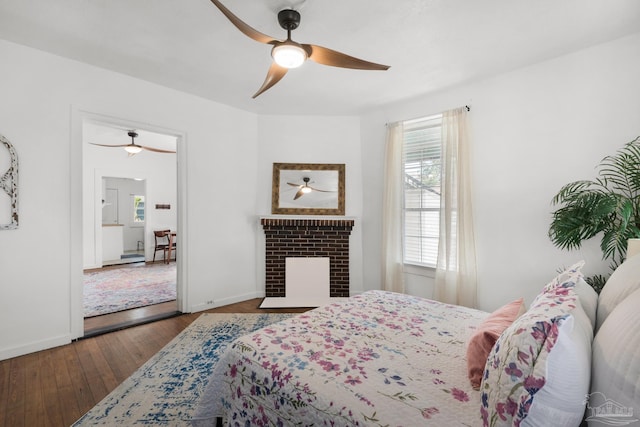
x=9 y=185
x=308 y=189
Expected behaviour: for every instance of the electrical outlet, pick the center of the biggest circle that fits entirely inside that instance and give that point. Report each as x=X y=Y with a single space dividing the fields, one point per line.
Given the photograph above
x=209 y=302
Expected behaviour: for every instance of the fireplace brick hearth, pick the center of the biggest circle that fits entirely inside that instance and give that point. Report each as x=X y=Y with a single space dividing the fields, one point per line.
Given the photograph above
x=290 y=237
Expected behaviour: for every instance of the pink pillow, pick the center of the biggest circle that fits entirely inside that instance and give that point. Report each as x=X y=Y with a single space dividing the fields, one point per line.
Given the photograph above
x=485 y=337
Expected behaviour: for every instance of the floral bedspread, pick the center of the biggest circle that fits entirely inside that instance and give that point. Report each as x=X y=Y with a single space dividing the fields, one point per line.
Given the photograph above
x=378 y=359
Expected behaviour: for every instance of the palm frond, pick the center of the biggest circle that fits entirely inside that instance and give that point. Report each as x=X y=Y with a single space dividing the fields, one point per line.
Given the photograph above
x=608 y=205
x=597 y=281
x=621 y=172
x=584 y=216
x=575 y=190
x=614 y=245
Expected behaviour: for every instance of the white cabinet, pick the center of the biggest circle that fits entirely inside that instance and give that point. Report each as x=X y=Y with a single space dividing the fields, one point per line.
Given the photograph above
x=112 y=242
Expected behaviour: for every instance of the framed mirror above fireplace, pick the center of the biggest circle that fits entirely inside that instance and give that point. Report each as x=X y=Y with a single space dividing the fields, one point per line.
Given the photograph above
x=308 y=189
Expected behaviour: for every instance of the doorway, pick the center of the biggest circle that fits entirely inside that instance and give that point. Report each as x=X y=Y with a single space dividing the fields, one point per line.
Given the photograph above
x=125 y=198
x=123 y=220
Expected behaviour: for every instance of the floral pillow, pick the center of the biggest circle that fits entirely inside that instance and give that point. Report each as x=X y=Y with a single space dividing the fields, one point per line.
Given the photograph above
x=518 y=366
x=565 y=279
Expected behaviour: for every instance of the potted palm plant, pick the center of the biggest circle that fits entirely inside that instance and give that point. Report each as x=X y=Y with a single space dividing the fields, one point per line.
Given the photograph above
x=608 y=206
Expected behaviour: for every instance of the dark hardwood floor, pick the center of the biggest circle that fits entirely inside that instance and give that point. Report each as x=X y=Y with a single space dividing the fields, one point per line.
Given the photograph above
x=56 y=387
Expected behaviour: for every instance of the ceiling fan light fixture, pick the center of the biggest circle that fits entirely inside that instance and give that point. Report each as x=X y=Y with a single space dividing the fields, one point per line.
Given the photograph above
x=132 y=149
x=289 y=55
x=306 y=190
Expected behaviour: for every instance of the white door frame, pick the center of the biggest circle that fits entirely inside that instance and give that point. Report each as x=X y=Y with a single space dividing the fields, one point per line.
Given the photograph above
x=78 y=117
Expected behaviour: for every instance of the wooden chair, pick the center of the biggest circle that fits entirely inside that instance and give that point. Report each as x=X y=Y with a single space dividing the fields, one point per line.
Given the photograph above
x=161 y=243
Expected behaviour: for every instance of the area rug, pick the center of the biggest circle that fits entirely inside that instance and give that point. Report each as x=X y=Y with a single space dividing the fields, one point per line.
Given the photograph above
x=117 y=289
x=166 y=389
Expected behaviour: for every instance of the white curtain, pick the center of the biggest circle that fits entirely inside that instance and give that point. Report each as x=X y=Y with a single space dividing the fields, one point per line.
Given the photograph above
x=456 y=266
x=392 y=232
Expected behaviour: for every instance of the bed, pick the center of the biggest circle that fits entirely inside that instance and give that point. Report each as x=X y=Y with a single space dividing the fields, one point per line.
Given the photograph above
x=377 y=358
x=388 y=359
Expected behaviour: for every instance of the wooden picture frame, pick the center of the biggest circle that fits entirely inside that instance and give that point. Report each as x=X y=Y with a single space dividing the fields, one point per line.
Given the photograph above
x=308 y=189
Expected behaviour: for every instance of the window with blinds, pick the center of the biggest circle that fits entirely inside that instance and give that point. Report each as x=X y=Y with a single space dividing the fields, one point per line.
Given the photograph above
x=138 y=208
x=421 y=162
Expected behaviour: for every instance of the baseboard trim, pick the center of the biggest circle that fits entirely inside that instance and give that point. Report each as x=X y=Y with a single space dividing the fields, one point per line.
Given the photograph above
x=225 y=301
x=34 y=346
x=302 y=302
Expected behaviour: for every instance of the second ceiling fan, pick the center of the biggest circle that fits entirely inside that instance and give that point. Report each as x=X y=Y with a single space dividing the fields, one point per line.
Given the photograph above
x=289 y=54
x=133 y=148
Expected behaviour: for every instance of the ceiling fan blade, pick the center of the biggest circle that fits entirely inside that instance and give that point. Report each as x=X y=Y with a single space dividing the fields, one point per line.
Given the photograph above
x=246 y=29
x=156 y=150
x=107 y=145
x=299 y=194
x=322 y=191
x=325 y=56
x=275 y=74
x=294 y=185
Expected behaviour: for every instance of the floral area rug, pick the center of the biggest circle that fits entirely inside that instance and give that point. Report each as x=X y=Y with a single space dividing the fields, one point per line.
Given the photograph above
x=117 y=289
x=166 y=389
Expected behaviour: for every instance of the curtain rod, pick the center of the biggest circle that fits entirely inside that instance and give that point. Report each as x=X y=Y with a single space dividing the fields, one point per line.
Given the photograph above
x=423 y=117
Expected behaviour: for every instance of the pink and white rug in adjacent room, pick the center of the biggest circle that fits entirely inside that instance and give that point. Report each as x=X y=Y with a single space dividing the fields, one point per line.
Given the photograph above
x=118 y=289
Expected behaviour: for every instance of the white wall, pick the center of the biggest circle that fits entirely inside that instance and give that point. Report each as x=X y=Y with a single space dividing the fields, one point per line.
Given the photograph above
x=533 y=130
x=312 y=139
x=40 y=265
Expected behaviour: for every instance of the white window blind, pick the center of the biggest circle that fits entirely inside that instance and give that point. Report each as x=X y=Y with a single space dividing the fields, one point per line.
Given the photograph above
x=421 y=162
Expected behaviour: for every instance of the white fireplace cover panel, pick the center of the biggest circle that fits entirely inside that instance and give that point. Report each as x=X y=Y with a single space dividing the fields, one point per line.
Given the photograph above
x=307 y=278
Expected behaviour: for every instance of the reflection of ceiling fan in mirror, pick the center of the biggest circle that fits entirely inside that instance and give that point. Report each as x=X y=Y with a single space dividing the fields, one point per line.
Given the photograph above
x=305 y=188
x=134 y=148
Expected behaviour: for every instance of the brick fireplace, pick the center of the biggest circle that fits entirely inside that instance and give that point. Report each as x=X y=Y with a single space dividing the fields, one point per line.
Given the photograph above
x=290 y=237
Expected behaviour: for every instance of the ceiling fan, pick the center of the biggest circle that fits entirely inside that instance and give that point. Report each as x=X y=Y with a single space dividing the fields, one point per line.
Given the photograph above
x=305 y=188
x=134 y=148
x=289 y=54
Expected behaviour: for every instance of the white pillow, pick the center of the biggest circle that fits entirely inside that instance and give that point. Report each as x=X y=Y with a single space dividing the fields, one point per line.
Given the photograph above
x=623 y=281
x=616 y=365
x=568 y=366
x=588 y=300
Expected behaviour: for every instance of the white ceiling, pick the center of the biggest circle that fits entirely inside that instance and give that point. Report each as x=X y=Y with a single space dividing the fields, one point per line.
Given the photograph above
x=190 y=46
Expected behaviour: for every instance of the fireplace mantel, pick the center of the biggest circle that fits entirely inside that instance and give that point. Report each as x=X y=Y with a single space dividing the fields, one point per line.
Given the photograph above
x=306 y=222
